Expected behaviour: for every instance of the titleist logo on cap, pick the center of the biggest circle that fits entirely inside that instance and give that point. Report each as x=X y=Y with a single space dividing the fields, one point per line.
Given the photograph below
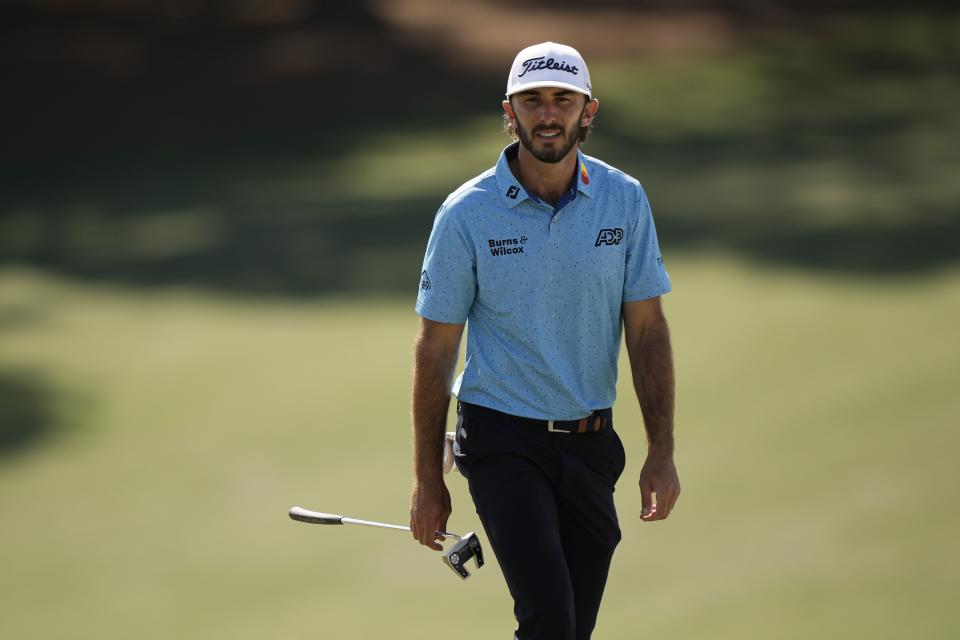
x=548 y=64
x=536 y=64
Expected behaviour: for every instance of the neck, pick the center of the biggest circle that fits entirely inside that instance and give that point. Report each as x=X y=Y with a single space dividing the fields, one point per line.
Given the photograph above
x=546 y=180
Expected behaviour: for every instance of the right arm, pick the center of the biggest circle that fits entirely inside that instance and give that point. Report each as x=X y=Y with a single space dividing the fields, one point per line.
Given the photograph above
x=434 y=358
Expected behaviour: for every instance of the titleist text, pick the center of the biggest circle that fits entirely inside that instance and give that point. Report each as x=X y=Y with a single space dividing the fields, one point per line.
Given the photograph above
x=535 y=64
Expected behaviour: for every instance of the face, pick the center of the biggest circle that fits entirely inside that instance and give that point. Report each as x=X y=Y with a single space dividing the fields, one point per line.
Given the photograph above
x=548 y=120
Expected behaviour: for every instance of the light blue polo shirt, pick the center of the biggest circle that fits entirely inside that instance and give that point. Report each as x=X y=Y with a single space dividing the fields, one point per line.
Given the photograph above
x=541 y=290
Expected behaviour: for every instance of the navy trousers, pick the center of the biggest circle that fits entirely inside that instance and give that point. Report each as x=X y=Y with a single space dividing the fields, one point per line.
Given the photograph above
x=546 y=502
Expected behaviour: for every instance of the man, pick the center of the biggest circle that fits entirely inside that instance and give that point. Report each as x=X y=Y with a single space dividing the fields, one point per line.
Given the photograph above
x=546 y=256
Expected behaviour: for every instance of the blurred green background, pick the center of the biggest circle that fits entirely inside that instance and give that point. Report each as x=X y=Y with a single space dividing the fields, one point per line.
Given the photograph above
x=212 y=217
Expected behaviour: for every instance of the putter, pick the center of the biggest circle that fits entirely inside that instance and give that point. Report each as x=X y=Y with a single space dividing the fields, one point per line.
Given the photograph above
x=467 y=546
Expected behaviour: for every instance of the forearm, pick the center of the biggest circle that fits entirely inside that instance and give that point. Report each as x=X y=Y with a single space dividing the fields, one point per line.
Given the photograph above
x=651 y=362
x=433 y=365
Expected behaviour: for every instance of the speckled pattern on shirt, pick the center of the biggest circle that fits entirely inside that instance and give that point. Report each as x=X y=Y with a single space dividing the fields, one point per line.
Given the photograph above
x=541 y=290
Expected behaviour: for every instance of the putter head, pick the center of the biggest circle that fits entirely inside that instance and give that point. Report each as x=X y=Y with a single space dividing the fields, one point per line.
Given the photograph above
x=456 y=556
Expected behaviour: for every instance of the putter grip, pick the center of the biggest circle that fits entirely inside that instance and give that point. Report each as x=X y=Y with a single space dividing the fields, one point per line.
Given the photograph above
x=314 y=517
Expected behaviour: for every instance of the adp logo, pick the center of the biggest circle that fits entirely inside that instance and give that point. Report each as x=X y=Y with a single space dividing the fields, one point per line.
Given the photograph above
x=609 y=236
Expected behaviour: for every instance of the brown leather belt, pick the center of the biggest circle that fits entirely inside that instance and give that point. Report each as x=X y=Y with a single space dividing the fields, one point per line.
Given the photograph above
x=598 y=420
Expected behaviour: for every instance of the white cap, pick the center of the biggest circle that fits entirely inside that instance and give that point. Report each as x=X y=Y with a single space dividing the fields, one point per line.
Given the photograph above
x=549 y=65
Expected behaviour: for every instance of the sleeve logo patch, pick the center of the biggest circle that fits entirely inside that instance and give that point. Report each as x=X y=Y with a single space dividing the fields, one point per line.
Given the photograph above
x=424 y=282
x=609 y=236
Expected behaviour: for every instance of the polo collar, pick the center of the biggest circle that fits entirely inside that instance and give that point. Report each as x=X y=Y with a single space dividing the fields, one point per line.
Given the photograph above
x=512 y=192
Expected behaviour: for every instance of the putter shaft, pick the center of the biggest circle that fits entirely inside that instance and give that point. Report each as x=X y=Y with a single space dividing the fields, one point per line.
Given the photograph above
x=315 y=517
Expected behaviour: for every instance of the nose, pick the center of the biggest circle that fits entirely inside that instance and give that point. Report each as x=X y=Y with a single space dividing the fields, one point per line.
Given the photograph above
x=549 y=114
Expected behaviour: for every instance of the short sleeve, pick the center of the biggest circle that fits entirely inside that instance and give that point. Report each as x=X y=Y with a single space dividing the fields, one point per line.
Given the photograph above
x=448 y=278
x=645 y=275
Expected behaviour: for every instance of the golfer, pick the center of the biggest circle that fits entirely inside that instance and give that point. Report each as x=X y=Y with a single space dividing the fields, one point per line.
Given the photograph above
x=545 y=256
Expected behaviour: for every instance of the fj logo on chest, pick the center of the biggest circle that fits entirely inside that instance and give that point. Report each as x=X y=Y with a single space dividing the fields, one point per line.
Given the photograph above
x=507 y=246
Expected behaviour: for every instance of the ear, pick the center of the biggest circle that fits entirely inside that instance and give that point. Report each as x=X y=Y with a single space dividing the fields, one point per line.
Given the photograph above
x=590 y=112
x=508 y=110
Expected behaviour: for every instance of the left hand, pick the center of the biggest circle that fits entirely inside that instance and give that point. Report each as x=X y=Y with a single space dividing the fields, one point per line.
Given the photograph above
x=658 y=478
x=429 y=510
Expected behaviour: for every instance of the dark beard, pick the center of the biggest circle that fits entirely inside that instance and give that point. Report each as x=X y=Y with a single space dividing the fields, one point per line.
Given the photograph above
x=548 y=154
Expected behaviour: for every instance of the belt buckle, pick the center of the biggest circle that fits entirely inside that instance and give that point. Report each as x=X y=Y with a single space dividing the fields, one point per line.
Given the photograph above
x=550 y=428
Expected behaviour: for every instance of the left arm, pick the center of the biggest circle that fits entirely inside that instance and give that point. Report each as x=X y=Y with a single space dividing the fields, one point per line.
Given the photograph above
x=651 y=362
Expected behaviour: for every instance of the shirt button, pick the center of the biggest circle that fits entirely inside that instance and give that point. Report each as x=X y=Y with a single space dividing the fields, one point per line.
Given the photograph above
x=554 y=219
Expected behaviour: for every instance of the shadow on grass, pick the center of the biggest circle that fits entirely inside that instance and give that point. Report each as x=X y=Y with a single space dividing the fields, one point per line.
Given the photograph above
x=292 y=250
x=862 y=250
x=831 y=156
x=27 y=416
x=832 y=169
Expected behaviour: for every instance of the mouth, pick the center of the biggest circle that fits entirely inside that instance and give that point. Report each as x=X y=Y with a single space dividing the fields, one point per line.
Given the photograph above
x=548 y=134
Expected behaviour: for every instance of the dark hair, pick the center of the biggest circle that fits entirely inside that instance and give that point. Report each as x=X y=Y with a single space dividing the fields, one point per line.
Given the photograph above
x=511 y=131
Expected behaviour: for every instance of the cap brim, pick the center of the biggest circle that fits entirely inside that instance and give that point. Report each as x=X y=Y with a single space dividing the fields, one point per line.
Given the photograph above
x=547 y=83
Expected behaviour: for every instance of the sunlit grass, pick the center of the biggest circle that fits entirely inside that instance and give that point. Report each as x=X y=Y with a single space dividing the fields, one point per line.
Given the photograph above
x=811 y=413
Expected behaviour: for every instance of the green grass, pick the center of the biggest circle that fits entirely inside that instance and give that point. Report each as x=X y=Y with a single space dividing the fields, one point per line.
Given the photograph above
x=192 y=343
x=816 y=423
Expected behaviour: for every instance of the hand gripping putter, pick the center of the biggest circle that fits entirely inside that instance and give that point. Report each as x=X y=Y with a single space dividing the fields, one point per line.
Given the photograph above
x=468 y=546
